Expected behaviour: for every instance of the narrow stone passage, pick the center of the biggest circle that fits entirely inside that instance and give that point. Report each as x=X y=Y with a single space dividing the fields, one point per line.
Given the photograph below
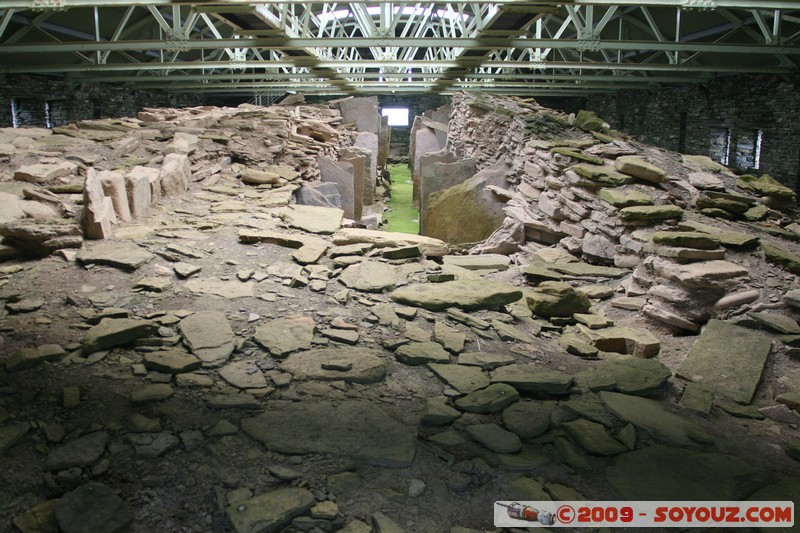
x=402 y=216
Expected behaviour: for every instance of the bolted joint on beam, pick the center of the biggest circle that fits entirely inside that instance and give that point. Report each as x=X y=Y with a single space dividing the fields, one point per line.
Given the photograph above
x=177 y=45
x=47 y=5
x=588 y=45
x=704 y=5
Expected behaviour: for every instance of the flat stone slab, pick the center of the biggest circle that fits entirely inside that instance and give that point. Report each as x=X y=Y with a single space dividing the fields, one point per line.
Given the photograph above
x=283 y=336
x=587 y=270
x=383 y=239
x=209 y=336
x=30 y=357
x=464 y=294
x=93 y=507
x=481 y=262
x=112 y=332
x=728 y=360
x=224 y=289
x=313 y=219
x=354 y=428
x=777 y=322
x=702 y=275
x=464 y=379
x=661 y=473
x=81 y=452
x=531 y=378
x=369 y=276
x=171 y=361
x=352 y=365
x=152 y=393
x=651 y=416
x=420 y=353
x=270 y=512
x=492 y=399
x=592 y=437
x=244 y=375
x=629 y=375
x=626 y=340
x=120 y=254
x=485 y=360
x=494 y=438
x=528 y=419
x=11 y=435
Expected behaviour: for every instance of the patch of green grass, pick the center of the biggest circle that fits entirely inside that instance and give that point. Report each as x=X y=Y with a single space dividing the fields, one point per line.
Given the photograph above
x=402 y=216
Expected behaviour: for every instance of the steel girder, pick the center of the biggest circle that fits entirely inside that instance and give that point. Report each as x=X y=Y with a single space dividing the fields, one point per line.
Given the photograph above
x=414 y=46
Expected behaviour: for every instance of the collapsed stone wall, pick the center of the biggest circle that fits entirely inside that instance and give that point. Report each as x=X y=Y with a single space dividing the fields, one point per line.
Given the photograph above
x=60 y=185
x=701 y=241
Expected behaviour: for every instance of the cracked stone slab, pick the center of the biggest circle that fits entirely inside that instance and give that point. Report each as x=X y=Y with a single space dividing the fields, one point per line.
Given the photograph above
x=354 y=428
x=225 y=289
x=119 y=254
x=353 y=365
x=209 y=336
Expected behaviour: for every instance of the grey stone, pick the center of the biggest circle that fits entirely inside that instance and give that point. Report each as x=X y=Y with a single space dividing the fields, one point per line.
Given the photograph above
x=111 y=332
x=319 y=194
x=482 y=262
x=528 y=419
x=639 y=168
x=81 y=452
x=650 y=416
x=209 y=336
x=663 y=473
x=244 y=375
x=152 y=445
x=152 y=393
x=270 y=512
x=384 y=524
x=362 y=112
x=485 y=360
x=777 y=322
x=313 y=219
x=592 y=437
x=30 y=357
x=369 y=276
x=557 y=299
x=234 y=401
x=465 y=294
x=450 y=338
x=494 y=438
x=492 y=399
x=570 y=454
x=352 y=365
x=120 y=254
x=341 y=335
x=171 y=361
x=342 y=175
x=531 y=378
x=464 y=379
x=285 y=335
x=629 y=375
x=420 y=353
x=727 y=359
x=11 y=435
x=438 y=413
x=93 y=508
x=355 y=428
x=224 y=289
x=138 y=423
x=437 y=172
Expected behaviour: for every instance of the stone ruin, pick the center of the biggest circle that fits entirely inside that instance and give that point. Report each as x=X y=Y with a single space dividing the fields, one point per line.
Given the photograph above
x=213 y=308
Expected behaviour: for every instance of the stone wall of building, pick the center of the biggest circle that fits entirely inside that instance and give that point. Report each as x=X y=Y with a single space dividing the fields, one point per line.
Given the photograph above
x=721 y=119
x=43 y=100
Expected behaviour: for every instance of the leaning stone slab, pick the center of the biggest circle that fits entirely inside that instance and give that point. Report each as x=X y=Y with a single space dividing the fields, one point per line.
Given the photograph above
x=209 y=336
x=592 y=437
x=355 y=428
x=171 y=361
x=464 y=294
x=270 y=512
x=660 y=473
x=781 y=256
x=99 y=211
x=777 y=322
x=44 y=172
x=93 y=507
x=531 y=378
x=112 y=332
x=351 y=365
x=727 y=359
x=120 y=254
x=651 y=416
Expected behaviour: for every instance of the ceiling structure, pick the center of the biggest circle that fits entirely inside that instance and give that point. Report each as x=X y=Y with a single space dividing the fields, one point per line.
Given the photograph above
x=265 y=49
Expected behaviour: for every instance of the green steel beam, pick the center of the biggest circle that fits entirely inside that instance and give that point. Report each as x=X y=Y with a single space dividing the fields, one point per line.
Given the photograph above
x=688 y=4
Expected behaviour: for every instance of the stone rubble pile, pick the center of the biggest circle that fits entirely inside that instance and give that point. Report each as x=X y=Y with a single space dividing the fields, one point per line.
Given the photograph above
x=237 y=359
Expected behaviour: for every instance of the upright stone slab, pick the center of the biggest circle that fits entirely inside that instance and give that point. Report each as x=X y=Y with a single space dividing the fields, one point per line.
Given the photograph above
x=425 y=142
x=363 y=186
x=153 y=176
x=113 y=184
x=440 y=176
x=342 y=174
x=369 y=141
x=137 y=185
x=98 y=208
x=425 y=165
x=363 y=112
x=319 y=195
x=384 y=142
x=175 y=173
x=727 y=359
